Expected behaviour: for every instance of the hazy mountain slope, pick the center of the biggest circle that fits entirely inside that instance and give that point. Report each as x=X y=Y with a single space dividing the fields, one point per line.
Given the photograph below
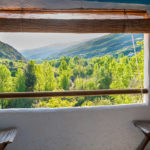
x=43 y=52
x=109 y=44
x=8 y=52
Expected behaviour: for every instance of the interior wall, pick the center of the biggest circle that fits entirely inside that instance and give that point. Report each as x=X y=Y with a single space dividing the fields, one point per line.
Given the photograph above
x=92 y=128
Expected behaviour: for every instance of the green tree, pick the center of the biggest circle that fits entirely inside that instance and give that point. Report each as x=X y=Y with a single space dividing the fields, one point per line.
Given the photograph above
x=19 y=87
x=64 y=80
x=20 y=81
x=63 y=66
x=49 y=77
x=30 y=76
x=5 y=82
x=5 y=79
x=40 y=78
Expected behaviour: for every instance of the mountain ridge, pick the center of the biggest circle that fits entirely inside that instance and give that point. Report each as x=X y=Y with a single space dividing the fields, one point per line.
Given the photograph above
x=110 y=44
x=9 y=52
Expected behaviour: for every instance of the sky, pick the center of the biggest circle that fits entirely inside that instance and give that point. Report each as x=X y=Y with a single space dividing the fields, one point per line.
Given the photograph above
x=25 y=41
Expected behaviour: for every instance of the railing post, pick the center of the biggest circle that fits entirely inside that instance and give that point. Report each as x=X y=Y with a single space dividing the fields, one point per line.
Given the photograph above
x=147 y=66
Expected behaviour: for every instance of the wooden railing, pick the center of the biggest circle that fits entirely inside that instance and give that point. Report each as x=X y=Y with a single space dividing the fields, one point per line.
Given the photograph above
x=72 y=93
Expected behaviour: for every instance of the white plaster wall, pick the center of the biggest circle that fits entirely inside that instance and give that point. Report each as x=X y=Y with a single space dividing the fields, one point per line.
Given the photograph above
x=93 y=128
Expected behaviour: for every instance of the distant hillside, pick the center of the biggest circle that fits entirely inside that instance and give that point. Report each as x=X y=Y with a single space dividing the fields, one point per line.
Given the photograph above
x=8 y=52
x=111 y=44
x=43 y=52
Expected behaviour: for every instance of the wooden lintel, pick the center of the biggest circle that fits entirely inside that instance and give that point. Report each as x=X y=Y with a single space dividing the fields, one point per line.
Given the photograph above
x=75 y=25
x=72 y=93
x=80 y=10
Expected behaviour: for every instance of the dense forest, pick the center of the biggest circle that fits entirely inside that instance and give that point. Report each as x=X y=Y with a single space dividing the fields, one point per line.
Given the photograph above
x=72 y=73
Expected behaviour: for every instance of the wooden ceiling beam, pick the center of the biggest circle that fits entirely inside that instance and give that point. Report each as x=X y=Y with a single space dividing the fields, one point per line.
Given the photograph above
x=75 y=25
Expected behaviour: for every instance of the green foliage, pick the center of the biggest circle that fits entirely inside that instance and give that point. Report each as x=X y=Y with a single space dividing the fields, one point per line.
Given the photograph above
x=97 y=101
x=18 y=103
x=64 y=80
x=63 y=66
x=5 y=82
x=40 y=78
x=30 y=76
x=8 y=52
x=73 y=73
x=50 y=82
x=5 y=79
x=57 y=102
x=20 y=81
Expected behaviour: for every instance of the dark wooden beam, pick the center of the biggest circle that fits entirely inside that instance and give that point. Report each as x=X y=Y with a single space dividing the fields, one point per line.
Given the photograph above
x=75 y=25
x=72 y=93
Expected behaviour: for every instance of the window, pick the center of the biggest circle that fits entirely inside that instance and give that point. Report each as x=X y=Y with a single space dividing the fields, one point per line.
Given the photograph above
x=94 y=62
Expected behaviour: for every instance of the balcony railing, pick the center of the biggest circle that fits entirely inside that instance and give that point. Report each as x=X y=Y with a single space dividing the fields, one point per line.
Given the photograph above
x=72 y=93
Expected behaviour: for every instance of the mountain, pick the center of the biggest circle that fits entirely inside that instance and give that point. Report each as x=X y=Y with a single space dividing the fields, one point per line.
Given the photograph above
x=110 y=44
x=43 y=52
x=8 y=52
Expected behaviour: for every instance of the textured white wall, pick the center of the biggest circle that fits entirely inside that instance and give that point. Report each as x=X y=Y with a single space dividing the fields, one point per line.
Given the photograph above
x=94 y=128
